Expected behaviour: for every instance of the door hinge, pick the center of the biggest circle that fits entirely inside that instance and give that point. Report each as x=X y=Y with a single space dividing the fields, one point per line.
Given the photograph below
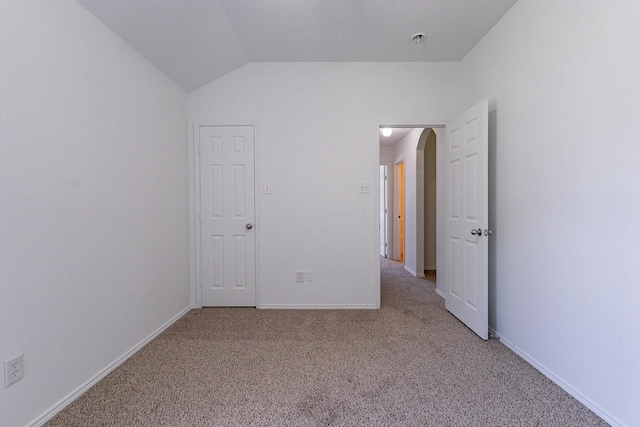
x=200 y=216
x=199 y=145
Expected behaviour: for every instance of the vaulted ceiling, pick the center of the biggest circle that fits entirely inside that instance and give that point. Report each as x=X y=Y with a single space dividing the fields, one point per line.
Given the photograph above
x=197 y=41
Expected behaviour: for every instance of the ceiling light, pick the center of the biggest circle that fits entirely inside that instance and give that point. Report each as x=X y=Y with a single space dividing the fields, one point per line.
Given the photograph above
x=387 y=132
x=418 y=37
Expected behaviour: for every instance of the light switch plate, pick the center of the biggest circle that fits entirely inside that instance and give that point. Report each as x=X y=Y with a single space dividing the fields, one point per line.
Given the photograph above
x=363 y=187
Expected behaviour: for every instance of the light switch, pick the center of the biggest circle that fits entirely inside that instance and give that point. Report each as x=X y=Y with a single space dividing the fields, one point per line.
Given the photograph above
x=266 y=189
x=363 y=187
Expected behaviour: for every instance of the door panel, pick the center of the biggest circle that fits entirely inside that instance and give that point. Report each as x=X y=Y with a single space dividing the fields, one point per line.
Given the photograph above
x=466 y=194
x=227 y=208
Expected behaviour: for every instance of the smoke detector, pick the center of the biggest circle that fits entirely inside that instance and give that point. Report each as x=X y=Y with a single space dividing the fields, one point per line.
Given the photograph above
x=418 y=37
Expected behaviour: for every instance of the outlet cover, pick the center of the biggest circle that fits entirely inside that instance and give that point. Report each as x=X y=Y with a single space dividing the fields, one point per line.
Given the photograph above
x=13 y=370
x=308 y=277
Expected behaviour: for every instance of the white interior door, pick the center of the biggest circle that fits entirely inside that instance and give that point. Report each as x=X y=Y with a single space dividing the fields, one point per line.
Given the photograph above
x=466 y=224
x=227 y=213
x=383 y=210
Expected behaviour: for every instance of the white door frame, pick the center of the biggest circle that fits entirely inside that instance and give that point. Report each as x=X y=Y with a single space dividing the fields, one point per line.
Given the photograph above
x=197 y=249
x=384 y=204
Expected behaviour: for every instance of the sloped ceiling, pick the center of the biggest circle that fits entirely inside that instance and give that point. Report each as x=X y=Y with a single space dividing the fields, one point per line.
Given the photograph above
x=197 y=41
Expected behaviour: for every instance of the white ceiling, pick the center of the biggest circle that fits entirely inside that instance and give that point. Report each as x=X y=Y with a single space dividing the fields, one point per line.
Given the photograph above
x=196 y=41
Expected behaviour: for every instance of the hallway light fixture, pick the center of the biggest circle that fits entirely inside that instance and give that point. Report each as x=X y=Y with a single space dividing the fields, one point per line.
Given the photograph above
x=387 y=132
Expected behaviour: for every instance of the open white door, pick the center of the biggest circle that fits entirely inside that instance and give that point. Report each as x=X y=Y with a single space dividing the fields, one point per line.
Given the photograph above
x=227 y=213
x=466 y=220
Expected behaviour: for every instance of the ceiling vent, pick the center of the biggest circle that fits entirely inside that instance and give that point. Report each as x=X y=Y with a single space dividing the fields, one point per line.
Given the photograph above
x=418 y=37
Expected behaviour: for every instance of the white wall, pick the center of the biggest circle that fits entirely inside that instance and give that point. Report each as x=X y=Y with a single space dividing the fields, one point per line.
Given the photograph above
x=386 y=156
x=93 y=201
x=317 y=137
x=562 y=80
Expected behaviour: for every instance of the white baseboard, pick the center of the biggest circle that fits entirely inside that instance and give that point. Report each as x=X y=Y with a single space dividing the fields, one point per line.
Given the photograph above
x=413 y=273
x=106 y=371
x=594 y=407
x=439 y=292
x=318 y=306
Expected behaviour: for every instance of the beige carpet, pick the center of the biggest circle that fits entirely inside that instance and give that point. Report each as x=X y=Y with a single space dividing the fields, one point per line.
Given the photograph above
x=430 y=275
x=408 y=364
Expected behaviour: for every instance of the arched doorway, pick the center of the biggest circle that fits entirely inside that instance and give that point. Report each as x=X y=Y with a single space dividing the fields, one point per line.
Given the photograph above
x=426 y=207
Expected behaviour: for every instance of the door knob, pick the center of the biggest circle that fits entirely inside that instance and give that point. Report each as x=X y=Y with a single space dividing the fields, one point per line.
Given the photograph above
x=477 y=232
x=249 y=226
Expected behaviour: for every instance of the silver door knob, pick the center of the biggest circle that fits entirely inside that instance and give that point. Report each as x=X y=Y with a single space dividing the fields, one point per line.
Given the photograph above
x=477 y=232
x=249 y=226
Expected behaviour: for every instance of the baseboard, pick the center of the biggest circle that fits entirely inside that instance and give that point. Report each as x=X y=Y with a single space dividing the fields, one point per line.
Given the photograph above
x=106 y=371
x=413 y=273
x=439 y=292
x=594 y=407
x=319 y=306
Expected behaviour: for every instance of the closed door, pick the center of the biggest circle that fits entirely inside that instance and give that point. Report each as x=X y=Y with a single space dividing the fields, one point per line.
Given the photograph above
x=227 y=215
x=466 y=225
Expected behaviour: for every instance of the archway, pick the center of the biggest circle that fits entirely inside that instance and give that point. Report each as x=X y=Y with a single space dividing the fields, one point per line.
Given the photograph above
x=426 y=202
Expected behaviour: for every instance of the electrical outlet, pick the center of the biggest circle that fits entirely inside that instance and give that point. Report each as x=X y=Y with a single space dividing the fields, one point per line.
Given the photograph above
x=307 y=276
x=13 y=370
x=299 y=276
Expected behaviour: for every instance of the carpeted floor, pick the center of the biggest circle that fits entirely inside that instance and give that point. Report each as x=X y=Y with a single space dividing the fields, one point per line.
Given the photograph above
x=430 y=275
x=410 y=363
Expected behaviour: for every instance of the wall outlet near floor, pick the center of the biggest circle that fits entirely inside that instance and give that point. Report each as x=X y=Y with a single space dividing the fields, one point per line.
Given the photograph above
x=13 y=370
x=299 y=276
x=308 y=277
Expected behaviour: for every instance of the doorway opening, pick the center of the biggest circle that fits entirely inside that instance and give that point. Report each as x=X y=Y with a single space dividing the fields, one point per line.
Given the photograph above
x=410 y=156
